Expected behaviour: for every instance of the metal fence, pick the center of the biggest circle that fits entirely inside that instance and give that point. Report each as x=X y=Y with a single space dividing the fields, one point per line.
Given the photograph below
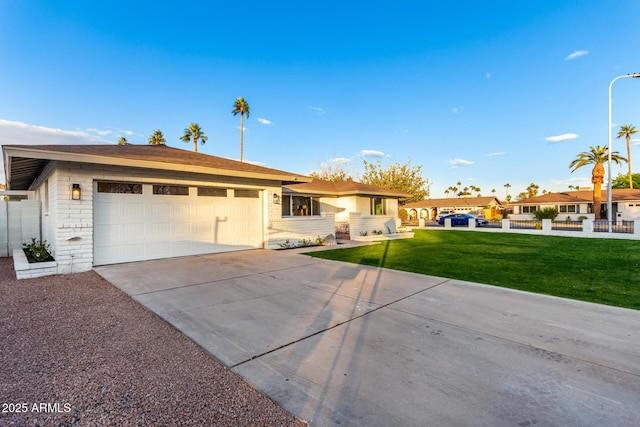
x=525 y=225
x=342 y=231
x=602 y=226
x=566 y=225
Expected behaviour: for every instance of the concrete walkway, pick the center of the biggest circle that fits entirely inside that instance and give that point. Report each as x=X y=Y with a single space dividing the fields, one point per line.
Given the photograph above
x=342 y=344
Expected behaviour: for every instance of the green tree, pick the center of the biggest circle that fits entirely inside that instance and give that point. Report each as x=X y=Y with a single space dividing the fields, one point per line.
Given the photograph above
x=157 y=138
x=194 y=133
x=329 y=172
x=532 y=190
x=622 y=181
x=241 y=107
x=627 y=131
x=122 y=140
x=596 y=156
x=399 y=177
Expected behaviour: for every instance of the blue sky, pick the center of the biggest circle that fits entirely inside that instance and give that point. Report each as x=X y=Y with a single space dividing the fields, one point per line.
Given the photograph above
x=483 y=93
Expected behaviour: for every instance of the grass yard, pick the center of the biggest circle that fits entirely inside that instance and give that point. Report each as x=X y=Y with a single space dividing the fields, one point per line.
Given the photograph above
x=604 y=271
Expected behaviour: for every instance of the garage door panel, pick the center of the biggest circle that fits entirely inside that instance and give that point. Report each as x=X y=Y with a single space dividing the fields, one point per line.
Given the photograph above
x=132 y=227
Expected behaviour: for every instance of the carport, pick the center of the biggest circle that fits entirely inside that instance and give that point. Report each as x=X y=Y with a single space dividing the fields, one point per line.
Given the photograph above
x=343 y=344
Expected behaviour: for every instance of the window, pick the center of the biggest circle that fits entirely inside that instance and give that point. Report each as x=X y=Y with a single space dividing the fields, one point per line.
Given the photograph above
x=171 y=190
x=300 y=205
x=378 y=206
x=252 y=194
x=529 y=209
x=567 y=208
x=119 y=187
x=212 y=191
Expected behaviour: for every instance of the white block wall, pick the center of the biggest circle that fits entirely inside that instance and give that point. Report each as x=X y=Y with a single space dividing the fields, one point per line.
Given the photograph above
x=19 y=223
x=295 y=229
x=359 y=223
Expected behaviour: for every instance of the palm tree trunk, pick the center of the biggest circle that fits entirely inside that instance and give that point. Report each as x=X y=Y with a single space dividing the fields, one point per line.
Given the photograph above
x=629 y=160
x=195 y=144
x=241 y=133
x=597 y=198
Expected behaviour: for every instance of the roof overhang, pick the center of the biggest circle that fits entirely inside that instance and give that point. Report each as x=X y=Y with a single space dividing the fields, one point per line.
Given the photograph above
x=23 y=165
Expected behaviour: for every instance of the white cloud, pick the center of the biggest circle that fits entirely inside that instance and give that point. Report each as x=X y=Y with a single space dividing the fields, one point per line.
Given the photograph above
x=128 y=132
x=318 y=110
x=576 y=54
x=461 y=162
x=635 y=141
x=340 y=160
x=454 y=110
x=372 y=153
x=265 y=121
x=99 y=132
x=18 y=133
x=563 y=137
x=488 y=75
x=254 y=162
x=499 y=153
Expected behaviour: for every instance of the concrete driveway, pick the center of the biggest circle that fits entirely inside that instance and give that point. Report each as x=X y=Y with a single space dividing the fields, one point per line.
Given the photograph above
x=342 y=344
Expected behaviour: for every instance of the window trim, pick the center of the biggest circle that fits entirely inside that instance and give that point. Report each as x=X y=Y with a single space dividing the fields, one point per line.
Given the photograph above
x=313 y=201
x=372 y=206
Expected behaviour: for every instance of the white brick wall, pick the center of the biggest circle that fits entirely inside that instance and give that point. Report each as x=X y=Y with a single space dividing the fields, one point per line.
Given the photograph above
x=295 y=229
x=359 y=224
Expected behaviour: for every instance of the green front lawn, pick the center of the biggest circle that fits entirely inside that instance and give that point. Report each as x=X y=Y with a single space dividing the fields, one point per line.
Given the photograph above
x=604 y=271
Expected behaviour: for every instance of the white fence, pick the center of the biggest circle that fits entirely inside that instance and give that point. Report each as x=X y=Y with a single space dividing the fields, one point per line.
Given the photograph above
x=19 y=223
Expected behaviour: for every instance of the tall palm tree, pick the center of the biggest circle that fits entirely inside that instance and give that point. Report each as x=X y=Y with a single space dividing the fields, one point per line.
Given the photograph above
x=194 y=133
x=122 y=140
x=627 y=131
x=241 y=107
x=157 y=138
x=506 y=193
x=596 y=156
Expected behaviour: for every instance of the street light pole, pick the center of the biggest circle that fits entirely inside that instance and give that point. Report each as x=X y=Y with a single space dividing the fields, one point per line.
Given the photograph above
x=609 y=195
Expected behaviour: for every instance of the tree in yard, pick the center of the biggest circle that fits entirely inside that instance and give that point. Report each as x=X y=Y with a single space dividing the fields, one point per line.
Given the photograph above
x=329 y=172
x=241 y=107
x=627 y=131
x=398 y=177
x=596 y=156
x=157 y=138
x=194 y=133
x=506 y=194
x=532 y=190
x=622 y=181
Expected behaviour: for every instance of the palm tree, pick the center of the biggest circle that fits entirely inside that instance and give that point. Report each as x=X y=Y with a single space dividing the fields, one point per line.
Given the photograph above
x=506 y=193
x=241 y=107
x=193 y=132
x=122 y=140
x=596 y=156
x=157 y=138
x=627 y=131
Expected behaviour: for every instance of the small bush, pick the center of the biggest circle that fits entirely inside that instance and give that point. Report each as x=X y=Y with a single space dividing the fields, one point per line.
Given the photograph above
x=546 y=213
x=38 y=250
x=364 y=233
x=286 y=245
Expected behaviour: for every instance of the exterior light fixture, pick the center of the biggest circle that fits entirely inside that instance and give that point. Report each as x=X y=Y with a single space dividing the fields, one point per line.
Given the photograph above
x=76 y=193
x=609 y=195
x=276 y=199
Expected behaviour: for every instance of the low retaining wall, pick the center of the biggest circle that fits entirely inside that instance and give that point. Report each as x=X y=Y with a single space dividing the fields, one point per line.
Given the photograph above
x=26 y=270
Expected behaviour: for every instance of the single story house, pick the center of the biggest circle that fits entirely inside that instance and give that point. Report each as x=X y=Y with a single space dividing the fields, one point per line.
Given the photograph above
x=106 y=204
x=429 y=208
x=577 y=204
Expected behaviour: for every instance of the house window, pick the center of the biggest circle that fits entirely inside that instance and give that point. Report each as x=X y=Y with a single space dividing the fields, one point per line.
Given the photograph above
x=567 y=208
x=171 y=190
x=119 y=187
x=251 y=194
x=529 y=209
x=300 y=205
x=378 y=206
x=212 y=191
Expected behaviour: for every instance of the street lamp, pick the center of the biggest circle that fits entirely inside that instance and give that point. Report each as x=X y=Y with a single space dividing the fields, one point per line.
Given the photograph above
x=609 y=195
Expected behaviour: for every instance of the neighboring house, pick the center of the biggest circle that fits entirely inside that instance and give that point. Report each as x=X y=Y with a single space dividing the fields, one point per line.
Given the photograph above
x=576 y=204
x=429 y=208
x=358 y=208
x=106 y=204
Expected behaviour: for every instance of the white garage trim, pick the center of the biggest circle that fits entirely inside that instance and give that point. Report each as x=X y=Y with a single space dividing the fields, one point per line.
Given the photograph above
x=142 y=221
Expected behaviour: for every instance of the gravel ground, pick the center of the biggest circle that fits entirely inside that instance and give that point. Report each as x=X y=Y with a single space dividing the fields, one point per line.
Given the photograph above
x=76 y=351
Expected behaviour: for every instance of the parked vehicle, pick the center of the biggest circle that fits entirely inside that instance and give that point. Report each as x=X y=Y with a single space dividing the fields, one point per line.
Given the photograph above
x=444 y=213
x=463 y=219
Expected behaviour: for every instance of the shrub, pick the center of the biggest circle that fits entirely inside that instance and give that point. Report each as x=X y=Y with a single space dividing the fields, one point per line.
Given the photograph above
x=38 y=250
x=363 y=233
x=546 y=213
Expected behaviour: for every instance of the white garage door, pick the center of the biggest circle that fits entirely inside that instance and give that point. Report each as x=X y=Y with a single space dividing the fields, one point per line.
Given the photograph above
x=134 y=222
